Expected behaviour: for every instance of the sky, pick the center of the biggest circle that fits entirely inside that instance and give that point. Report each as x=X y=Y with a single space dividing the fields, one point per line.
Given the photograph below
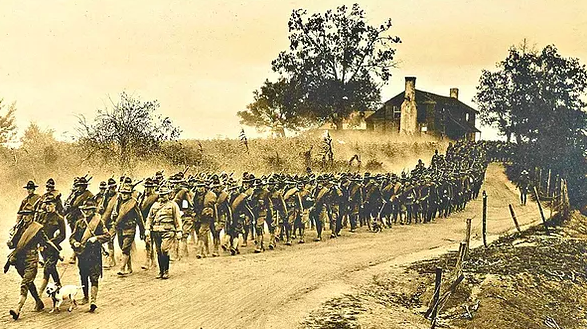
x=202 y=60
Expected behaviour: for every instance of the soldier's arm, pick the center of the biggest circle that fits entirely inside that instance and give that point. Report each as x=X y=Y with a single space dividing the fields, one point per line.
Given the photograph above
x=72 y=237
x=151 y=215
x=140 y=220
x=61 y=236
x=176 y=217
x=104 y=235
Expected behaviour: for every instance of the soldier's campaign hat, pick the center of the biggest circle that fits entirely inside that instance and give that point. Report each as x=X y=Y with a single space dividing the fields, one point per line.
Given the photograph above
x=127 y=180
x=149 y=183
x=126 y=189
x=175 y=179
x=89 y=204
x=163 y=189
x=111 y=182
x=103 y=185
x=50 y=183
x=30 y=185
x=258 y=182
x=82 y=181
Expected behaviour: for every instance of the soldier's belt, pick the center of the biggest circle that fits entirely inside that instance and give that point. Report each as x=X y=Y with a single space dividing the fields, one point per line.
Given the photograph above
x=163 y=227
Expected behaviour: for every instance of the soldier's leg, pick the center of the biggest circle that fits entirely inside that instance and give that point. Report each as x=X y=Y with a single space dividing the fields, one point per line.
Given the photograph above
x=157 y=241
x=111 y=260
x=320 y=223
x=149 y=259
x=94 y=276
x=247 y=228
x=259 y=241
x=125 y=242
x=271 y=226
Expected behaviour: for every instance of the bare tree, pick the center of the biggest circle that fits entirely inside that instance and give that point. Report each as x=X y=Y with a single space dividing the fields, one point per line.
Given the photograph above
x=7 y=125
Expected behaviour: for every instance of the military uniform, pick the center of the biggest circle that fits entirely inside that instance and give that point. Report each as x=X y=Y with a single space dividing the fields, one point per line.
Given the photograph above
x=52 y=223
x=146 y=201
x=164 y=225
x=262 y=207
x=129 y=217
x=30 y=201
x=86 y=240
x=25 y=239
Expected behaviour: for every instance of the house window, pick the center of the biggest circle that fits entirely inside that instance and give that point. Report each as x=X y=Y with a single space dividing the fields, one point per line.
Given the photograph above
x=466 y=116
x=397 y=112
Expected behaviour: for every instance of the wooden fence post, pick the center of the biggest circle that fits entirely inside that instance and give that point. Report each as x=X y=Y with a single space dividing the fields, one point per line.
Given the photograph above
x=548 y=184
x=540 y=208
x=515 y=219
x=468 y=237
x=539 y=179
x=484 y=218
x=433 y=309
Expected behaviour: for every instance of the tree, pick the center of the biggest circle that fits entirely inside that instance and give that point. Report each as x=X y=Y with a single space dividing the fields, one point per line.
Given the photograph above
x=338 y=61
x=130 y=129
x=274 y=107
x=538 y=96
x=7 y=125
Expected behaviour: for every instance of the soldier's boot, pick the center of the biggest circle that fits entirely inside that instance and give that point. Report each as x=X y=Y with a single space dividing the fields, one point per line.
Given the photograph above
x=184 y=247
x=199 y=249
x=216 y=250
x=122 y=270
x=39 y=306
x=85 y=300
x=302 y=235
x=93 y=297
x=288 y=235
x=245 y=236
x=111 y=258
x=129 y=264
x=272 y=238
x=16 y=311
x=258 y=243
x=44 y=284
x=234 y=247
x=148 y=260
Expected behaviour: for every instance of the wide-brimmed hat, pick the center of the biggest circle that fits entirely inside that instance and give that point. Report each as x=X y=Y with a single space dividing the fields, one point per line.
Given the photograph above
x=149 y=183
x=82 y=181
x=30 y=185
x=111 y=182
x=162 y=190
x=103 y=185
x=50 y=183
x=89 y=204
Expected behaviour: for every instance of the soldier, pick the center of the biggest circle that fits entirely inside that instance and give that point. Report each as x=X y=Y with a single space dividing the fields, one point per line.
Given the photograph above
x=523 y=184
x=240 y=211
x=321 y=206
x=204 y=208
x=164 y=225
x=355 y=201
x=51 y=192
x=52 y=223
x=246 y=188
x=333 y=200
x=262 y=207
x=72 y=208
x=293 y=202
x=129 y=217
x=146 y=201
x=106 y=209
x=221 y=220
x=30 y=200
x=276 y=220
x=86 y=240
x=99 y=197
x=184 y=198
x=308 y=202
x=25 y=238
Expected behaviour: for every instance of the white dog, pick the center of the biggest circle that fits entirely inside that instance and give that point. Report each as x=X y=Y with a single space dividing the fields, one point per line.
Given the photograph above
x=59 y=294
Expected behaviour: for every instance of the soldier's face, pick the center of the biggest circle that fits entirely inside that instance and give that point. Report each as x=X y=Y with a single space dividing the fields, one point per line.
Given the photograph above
x=30 y=191
x=50 y=207
x=125 y=196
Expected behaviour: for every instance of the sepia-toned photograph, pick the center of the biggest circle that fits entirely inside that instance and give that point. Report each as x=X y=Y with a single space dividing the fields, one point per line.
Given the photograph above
x=293 y=164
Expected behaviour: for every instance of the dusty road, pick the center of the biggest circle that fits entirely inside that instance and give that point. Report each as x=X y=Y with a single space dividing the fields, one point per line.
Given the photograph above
x=275 y=289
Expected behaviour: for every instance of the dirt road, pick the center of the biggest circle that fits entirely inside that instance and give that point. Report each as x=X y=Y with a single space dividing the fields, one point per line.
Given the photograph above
x=275 y=289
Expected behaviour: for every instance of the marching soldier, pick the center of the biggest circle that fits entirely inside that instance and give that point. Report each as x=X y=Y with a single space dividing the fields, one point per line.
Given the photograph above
x=54 y=228
x=164 y=226
x=106 y=210
x=205 y=210
x=293 y=202
x=240 y=211
x=72 y=208
x=30 y=200
x=278 y=216
x=523 y=184
x=129 y=217
x=146 y=201
x=99 y=197
x=86 y=240
x=262 y=208
x=25 y=238
x=222 y=219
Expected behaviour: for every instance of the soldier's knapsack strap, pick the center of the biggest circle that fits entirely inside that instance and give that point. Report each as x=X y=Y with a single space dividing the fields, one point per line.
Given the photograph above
x=90 y=229
x=28 y=234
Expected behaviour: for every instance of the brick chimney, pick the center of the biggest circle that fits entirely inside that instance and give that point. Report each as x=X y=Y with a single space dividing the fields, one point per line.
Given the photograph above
x=409 y=112
x=454 y=93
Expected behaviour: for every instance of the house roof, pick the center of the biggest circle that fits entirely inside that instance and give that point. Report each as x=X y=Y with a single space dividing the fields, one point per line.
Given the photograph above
x=424 y=97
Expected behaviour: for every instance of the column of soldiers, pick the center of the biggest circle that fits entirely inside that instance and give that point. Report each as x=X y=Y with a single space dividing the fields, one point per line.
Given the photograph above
x=218 y=213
